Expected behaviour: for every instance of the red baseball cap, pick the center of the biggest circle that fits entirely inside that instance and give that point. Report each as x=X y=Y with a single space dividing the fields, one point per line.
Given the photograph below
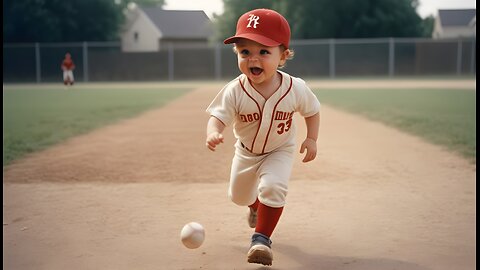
x=264 y=26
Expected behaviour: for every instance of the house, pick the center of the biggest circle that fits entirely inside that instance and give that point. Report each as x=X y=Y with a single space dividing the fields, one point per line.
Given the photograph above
x=150 y=29
x=455 y=23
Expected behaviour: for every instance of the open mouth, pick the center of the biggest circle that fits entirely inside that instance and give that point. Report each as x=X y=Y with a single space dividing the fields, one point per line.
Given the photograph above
x=256 y=70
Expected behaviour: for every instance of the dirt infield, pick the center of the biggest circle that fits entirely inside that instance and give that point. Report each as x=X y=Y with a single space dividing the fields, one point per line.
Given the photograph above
x=117 y=198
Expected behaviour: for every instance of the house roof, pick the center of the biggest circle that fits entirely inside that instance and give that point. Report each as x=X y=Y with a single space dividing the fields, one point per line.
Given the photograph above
x=456 y=17
x=180 y=23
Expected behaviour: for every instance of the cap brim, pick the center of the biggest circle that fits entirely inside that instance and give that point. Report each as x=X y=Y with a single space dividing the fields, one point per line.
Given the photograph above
x=254 y=37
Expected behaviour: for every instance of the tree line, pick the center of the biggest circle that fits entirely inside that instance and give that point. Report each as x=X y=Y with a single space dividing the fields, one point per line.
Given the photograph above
x=336 y=18
x=103 y=20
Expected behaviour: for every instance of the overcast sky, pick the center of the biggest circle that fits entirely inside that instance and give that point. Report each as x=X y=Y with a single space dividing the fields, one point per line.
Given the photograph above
x=427 y=7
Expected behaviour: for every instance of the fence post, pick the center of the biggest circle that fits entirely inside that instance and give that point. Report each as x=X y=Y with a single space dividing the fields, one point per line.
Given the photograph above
x=171 y=64
x=391 y=58
x=472 y=59
x=37 y=63
x=459 y=57
x=85 y=62
x=218 y=62
x=332 y=58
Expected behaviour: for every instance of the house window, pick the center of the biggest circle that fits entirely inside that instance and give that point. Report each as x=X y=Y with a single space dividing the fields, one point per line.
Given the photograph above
x=135 y=36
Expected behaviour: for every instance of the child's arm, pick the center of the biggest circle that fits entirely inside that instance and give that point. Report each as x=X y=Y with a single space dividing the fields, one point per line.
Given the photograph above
x=310 y=143
x=215 y=128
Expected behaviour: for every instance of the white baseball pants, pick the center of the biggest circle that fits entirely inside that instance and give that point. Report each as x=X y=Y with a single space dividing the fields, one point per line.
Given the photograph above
x=263 y=176
x=68 y=75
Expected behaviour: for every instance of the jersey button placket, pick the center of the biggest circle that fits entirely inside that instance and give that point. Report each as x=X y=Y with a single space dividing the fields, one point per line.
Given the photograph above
x=264 y=126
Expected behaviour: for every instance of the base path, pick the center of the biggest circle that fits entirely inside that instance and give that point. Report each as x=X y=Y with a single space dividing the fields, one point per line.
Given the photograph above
x=117 y=198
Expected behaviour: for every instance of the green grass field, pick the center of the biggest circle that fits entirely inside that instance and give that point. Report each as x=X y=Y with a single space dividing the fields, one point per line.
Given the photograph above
x=36 y=118
x=442 y=116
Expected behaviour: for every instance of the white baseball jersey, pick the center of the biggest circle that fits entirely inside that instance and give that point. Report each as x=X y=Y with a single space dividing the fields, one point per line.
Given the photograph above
x=263 y=125
x=265 y=131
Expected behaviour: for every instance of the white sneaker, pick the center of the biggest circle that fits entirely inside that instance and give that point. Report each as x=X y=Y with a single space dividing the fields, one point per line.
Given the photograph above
x=260 y=251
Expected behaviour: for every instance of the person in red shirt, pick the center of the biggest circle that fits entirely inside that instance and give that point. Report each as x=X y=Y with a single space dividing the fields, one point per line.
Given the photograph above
x=68 y=66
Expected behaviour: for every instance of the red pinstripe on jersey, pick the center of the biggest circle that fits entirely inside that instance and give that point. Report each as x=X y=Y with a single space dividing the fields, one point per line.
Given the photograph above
x=259 y=111
x=273 y=114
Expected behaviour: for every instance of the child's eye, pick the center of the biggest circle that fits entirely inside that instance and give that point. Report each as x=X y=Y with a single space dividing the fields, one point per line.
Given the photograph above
x=264 y=52
x=244 y=52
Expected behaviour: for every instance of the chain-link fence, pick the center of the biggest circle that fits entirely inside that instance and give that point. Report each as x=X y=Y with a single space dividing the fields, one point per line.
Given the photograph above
x=332 y=58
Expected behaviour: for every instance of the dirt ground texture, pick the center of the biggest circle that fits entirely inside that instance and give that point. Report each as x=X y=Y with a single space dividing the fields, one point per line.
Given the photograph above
x=117 y=198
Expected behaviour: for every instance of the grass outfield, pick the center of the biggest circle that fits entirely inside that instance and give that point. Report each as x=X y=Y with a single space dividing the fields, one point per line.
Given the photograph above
x=35 y=118
x=442 y=116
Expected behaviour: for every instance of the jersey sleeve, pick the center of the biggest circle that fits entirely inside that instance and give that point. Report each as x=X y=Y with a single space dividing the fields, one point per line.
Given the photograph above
x=223 y=106
x=308 y=104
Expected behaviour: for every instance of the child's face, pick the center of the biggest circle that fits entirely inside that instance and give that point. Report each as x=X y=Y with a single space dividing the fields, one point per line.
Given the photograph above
x=259 y=62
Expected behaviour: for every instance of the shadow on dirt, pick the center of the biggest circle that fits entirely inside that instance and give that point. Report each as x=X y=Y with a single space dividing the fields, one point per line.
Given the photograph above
x=307 y=261
x=314 y=261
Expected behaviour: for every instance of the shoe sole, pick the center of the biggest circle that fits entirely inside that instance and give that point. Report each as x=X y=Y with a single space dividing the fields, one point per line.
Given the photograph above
x=260 y=254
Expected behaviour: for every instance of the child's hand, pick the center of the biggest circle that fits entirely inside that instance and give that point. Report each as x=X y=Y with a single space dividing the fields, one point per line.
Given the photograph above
x=311 y=147
x=214 y=139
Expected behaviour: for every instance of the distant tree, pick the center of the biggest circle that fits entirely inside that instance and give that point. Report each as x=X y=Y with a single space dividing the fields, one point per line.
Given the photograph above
x=332 y=18
x=143 y=3
x=61 y=21
x=427 y=26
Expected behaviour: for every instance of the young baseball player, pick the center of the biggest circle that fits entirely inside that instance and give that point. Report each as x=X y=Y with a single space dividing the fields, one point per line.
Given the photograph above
x=260 y=103
x=68 y=66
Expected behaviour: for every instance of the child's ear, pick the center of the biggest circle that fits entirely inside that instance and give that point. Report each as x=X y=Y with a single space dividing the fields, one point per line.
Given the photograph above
x=284 y=57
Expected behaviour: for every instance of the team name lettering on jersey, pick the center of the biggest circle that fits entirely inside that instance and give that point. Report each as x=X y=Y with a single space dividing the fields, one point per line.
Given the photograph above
x=284 y=126
x=279 y=115
x=247 y=118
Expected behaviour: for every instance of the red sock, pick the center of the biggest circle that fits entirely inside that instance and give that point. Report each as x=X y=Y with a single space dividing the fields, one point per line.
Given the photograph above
x=267 y=219
x=254 y=206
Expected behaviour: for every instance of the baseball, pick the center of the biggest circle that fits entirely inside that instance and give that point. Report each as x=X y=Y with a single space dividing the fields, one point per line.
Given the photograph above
x=192 y=235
